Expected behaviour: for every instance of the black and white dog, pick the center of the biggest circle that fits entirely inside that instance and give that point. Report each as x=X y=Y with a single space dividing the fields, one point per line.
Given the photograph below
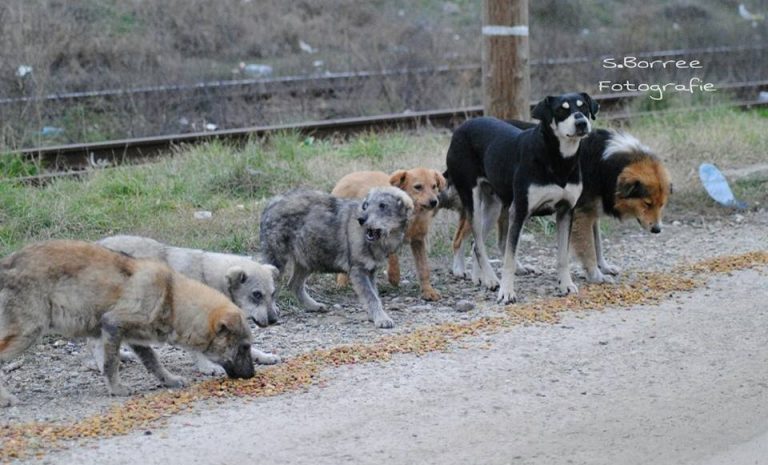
x=533 y=172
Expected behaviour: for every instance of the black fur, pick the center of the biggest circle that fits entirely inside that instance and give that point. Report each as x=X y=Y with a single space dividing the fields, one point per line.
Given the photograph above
x=513 y=159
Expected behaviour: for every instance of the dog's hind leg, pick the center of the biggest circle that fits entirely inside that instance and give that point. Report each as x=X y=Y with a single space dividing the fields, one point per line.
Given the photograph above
x=95 y=349
x=582 y=237
x=112 y=336
x=419 y=249
x=365 y=287
x=563 y=220
x=11 y=345
x=149 y=358
x=518 y=213
x=393 y=269
x=604 y=266
x=460 y=240
x=342 y=280
x=297 y=284
x=482 y=273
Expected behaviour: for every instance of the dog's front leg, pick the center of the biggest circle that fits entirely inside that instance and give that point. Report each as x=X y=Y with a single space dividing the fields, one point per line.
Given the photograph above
x=365 y=287
x=149 y=358
x=601 y=263
x=563 y=223
x=112 y=336
x=419 y=250
x=517 y=217
x=205 y=366
x=264 y=358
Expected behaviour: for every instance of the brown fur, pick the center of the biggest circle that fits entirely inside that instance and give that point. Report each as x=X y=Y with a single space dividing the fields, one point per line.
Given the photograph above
x=423 y=186
x=80 y=289
x=651 y=174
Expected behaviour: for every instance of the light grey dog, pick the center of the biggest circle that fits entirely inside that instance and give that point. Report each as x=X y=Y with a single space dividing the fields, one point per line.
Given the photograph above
x=312 y=231
x=247 y=283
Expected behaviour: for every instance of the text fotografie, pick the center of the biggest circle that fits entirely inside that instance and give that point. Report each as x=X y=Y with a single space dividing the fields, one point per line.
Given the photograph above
x=655 y=91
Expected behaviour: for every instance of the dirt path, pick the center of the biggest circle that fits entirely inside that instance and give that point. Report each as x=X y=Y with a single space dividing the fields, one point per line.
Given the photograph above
x=683 y=382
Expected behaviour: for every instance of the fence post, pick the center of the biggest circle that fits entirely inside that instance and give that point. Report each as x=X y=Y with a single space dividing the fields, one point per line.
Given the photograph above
x=506 y=77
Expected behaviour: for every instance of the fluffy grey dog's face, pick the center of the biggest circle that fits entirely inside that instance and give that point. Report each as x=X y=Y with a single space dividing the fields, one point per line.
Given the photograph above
x=385 y=210
x=252 y=288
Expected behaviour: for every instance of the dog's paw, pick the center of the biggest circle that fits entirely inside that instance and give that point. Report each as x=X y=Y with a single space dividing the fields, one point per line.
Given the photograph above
x=610 y=269
x=384 y=322
x=489 y=282
x=174 y=381
x=462 y=274
x=458 y=269
x=206 y=367
x=597 y=277
x=506 y=296
x=127 y=355
x=265 y=358
x=568 y=288
x=430 y=294
x=8 y=400
x=119 y=390
x=90 y=364
x=318 y=308
x=521 y=269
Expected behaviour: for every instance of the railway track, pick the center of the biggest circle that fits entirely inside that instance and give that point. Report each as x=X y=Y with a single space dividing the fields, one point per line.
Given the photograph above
x=264 y=88
x=79 y=159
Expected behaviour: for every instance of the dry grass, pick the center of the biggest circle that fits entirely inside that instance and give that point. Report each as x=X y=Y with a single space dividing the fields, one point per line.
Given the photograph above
x=85 y=45
x=150 y=410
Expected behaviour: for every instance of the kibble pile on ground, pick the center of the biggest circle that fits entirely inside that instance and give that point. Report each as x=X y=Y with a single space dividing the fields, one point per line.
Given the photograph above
x=63 y=402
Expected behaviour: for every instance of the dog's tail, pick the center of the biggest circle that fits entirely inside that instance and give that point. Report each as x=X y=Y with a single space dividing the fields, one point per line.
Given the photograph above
x=449 y=197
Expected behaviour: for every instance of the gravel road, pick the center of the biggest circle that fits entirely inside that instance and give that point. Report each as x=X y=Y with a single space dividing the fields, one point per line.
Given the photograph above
x=680 y=383
x=685 y=382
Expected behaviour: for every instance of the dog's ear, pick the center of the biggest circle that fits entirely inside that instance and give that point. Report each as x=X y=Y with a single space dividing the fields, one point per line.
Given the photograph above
x=543 y=110
x=228 y=322
x=632 y=190
x=406 y=204
x=593 y=106
x=272 y=269
x=398 y=178
x=441 y=182
x=236 y=276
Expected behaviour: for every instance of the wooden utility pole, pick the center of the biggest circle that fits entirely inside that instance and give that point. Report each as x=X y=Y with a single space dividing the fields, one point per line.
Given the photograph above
x=506 y=78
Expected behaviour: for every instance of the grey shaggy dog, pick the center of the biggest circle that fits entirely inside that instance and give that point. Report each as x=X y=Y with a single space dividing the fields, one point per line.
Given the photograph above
x=311 y=231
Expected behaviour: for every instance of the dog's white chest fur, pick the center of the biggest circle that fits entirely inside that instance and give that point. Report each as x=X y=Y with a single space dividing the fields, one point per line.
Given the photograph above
x=548 y=196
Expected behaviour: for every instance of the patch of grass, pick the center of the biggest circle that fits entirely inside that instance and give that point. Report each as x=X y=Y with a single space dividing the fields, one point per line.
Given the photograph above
x=159 y=200
x=14 y=166
x=372 y=146
x=726 y=137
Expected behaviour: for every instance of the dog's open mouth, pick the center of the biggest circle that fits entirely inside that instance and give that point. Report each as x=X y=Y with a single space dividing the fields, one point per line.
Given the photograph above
x=372 y=235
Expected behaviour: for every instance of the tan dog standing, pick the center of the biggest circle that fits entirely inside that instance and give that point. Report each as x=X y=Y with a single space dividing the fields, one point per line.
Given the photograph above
x=423 y=185
x=80 y=289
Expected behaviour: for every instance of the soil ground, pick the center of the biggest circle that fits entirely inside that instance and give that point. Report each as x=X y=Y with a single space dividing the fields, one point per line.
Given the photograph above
x=682 y=382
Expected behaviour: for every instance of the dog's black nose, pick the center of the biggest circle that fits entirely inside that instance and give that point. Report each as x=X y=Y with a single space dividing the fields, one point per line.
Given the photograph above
x=581 y=123
x=655 y=229
x=433 y=203
x=362 y=220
